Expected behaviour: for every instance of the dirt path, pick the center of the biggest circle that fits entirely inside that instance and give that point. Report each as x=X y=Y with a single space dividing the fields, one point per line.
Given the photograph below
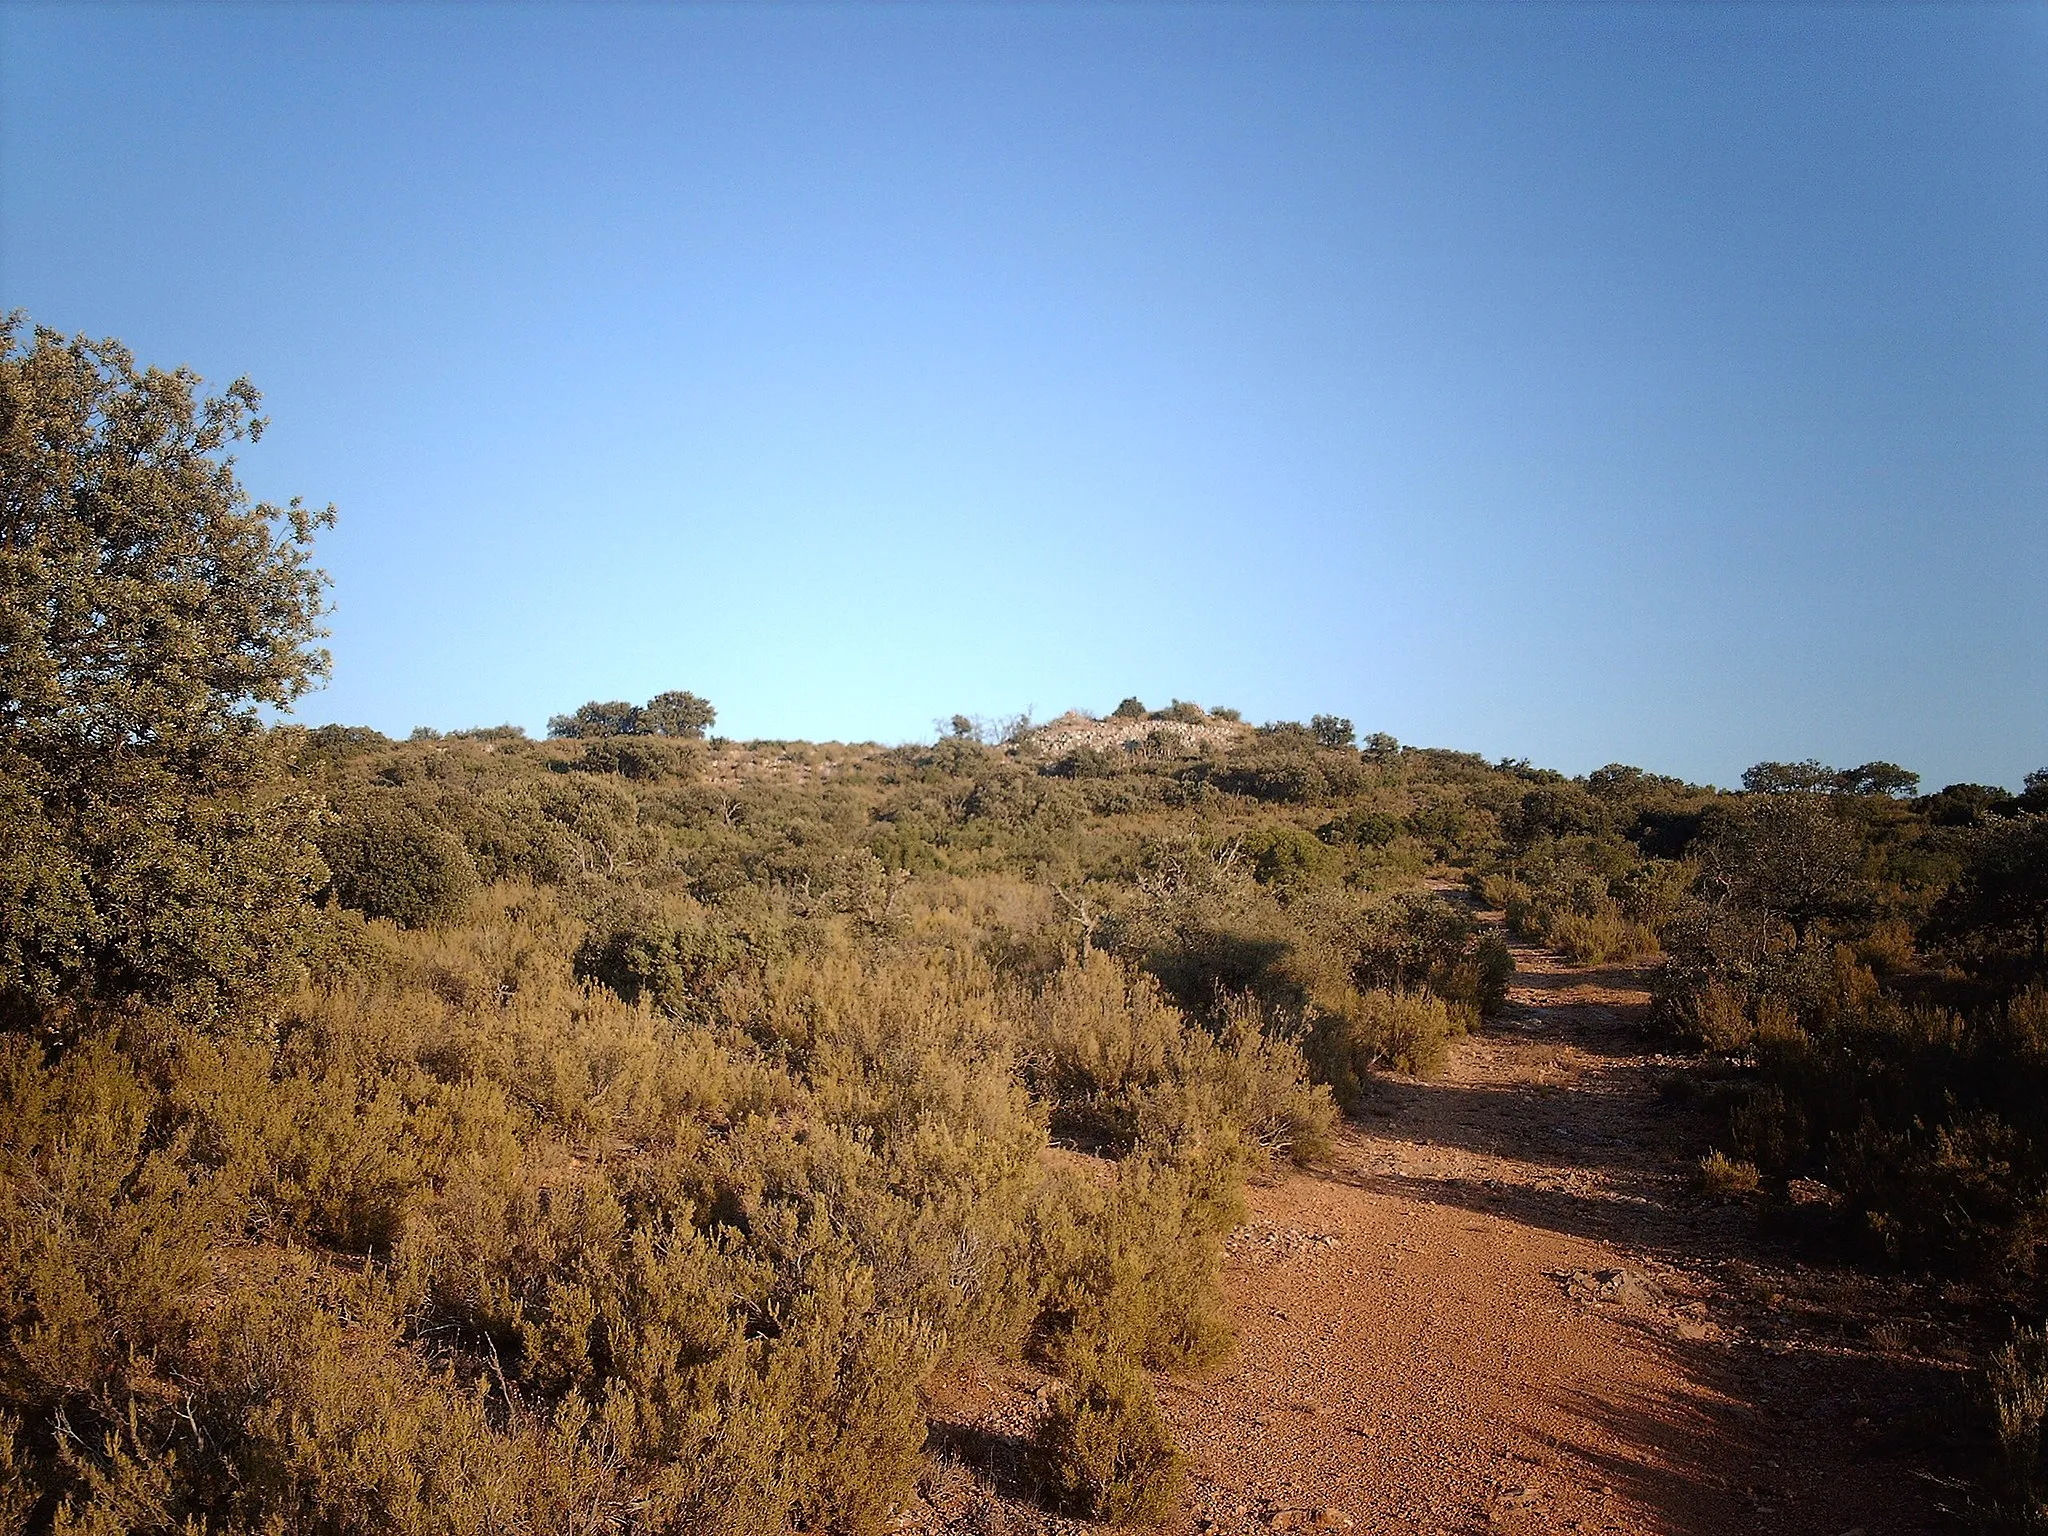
x=1503 y=1308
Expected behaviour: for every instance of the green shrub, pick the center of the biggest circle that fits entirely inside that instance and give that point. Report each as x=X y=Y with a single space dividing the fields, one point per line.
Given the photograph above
x=1576 y=916
x=1287 y=856
x=678 y=968
x=1362 y=829
x=1287 y=777
x=389 y=860
x=1106 y=1446
x=650 y=759
x=1133 y=1268
x=1600 y=936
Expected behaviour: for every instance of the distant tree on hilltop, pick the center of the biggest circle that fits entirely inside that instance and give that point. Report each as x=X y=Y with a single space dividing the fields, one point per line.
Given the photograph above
x=613 y=718
x=1333 y=731
x=675 y=713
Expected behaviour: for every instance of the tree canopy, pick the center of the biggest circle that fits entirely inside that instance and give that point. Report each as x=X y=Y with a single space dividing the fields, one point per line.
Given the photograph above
x=675 y=713
x=152 y=843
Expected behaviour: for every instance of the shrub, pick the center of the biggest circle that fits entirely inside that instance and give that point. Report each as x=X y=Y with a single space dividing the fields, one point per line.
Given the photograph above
x=648 y=758
x=1719 y=1175
x=388 y=860
x=1133 y=1269
x=1362 y=829
x=1353 y=1036
x=1419 y=940
x=1296 y=777
x=2016 y=1385
x=1287 y=856
x=1599 y=937
x=1572 y=912
x=1106 y=1446
x=1122 y=1068
x=1716 y=1019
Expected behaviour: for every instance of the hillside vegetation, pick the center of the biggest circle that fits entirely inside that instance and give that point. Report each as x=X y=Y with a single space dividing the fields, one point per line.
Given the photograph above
x=472 y=1133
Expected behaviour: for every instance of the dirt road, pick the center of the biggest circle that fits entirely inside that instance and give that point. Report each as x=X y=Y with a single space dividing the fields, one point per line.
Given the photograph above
x=1504 y=1308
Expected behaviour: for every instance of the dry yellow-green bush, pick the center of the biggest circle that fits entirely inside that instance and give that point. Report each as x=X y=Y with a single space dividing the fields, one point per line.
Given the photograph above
x=1132 y=1267
x=1122 y=1067
x=1721 y=1175
x=1358 y=1033
x=1107 y=1447
x=2016 y=1386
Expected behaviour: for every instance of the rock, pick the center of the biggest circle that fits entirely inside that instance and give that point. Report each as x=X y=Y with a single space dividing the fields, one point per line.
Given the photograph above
x=1622 y=1286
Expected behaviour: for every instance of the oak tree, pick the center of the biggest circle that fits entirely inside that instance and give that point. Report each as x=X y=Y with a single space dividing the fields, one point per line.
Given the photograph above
x=153 y=842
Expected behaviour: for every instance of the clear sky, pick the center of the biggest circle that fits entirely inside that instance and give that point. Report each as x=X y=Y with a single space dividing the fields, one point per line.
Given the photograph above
x=1665 y=385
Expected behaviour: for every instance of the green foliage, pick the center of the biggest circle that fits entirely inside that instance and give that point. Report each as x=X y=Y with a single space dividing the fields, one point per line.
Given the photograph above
x=1724 y=1177
x=1790 y=855
x=675 y=713
x=152 y=842
x=650 y=759
x=596 y=720
x=1333 y=732
x=1574 y=913
x=1289 y=774
x=387 y=859
x=1362 y=829
x=1419 y=940
x=1801 y=958
x=678 y=713
x=1996 y=914
x=1106 y=1445
x=1120 y=1067
x=1132 y=1268
x=1130 y=709
x=1287 y=856
x=686 y=1102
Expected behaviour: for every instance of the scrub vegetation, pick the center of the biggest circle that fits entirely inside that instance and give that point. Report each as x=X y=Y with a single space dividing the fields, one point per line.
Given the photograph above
x=617 y=1130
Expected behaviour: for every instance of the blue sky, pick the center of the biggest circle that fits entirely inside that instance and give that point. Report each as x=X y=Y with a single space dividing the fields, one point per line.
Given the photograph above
x=1665 y=385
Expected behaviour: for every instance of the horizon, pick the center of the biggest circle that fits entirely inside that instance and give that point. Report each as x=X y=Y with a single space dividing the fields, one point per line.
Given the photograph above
x=993 y=731
x=1661 y=385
